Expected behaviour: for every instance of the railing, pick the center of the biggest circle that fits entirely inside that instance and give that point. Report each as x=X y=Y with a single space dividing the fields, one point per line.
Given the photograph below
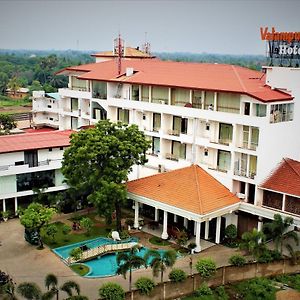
x=173 y=132
x=243 y=173
x=40 y=163
x=171 y=156
x=225 y=141
x=101 y=250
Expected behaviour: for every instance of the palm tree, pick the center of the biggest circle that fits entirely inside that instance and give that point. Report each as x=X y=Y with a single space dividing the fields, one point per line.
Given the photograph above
x=127 y=261
x=69 y=286
x=277 y=230
x=253 y=242
x=29 y=290
x=52 y=287
x=160 y=261
x=14 y=84
x=7 y=291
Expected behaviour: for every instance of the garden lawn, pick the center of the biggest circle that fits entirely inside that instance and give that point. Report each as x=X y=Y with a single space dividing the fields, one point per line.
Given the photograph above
x=61 y=240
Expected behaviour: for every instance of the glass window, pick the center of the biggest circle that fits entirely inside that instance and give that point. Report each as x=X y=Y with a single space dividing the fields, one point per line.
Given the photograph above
x=261 y=110
x=180 y=97
x=31 y=158
x=245 y=136
x=123 y=115
x=225 y=133
x=135 y=92
x=156 y=121
x=180 y=125
x=155 y=145
x=100 y=90
x=254 y=137
x=178 y=150
x=74 y=104
x=209 y=100
x=228 y=102
x=224 y=160
x=281 y=112
x=160 y=95
x=145 y=93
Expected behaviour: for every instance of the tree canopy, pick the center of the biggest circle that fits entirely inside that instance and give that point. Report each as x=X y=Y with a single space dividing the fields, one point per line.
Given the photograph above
x=99 y=160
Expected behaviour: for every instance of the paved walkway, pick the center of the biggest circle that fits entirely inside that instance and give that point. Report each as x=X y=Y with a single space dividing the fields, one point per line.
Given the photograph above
x=25 y=263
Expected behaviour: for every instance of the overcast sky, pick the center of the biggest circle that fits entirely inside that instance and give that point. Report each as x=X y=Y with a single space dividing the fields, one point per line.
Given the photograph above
x=228 y=27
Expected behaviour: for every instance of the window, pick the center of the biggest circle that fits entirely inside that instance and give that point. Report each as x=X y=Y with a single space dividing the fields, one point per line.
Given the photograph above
x=246 y=108
x=254 y=137
x=179 y=125
x=50 y=149
x=74 y=104
x=135 y=92
x=261 y=110
x=31 y=158
x=205 y=152
x=145 y=93
x=207 y=126
x=123 y=115
x=74 y=123
x=225 y=133
x=228 y=102
x=180 y=97
x=178 y=150
x=99 y=90
x=281 y=113
x=224 y=160
x=197 y=99
x=160 y=95
x=61 y=148
x=156 y=121
x=155 y=145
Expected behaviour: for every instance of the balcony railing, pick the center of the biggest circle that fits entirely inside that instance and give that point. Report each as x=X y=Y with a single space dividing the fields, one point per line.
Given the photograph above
x=174 y=132
x=243 y=173
x=171 y=156
x=40 y=163
x=225 y=141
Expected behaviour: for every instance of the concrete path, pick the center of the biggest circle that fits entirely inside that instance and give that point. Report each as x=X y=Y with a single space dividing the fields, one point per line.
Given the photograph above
x=24 y=262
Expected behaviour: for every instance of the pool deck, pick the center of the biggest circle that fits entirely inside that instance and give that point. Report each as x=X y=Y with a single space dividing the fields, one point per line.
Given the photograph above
x=25 y=263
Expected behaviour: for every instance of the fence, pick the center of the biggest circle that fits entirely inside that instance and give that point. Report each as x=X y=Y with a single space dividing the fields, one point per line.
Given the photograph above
x=224 y=275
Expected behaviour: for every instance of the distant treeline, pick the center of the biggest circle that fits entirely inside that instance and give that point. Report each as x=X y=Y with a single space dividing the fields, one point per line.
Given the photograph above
x=36 y=69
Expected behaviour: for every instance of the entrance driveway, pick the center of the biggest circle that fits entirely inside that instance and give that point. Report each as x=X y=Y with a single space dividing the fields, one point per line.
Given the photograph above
x=24 y=262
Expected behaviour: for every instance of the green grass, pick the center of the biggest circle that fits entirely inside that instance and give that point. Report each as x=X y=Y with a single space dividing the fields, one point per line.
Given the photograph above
x=62 y=240
x=6 y=101
x=80 y=269
x=158 y=241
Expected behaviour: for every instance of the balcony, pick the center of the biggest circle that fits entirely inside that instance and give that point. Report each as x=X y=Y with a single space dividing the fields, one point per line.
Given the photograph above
x=243 y=173
x=173 y=132
x=70 y=93
x=171 y=156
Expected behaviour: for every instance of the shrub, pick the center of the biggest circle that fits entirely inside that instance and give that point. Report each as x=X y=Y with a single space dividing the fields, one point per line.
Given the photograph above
x=51 y=230
x=231 y=232
x=87 y=224
x=145 y=285
x=203 y=290
x=182 y=238
x=237 y=260
x=129 y=222
x=220 y=293
x=206 y=267
x=265 y=257
x=76 y=253
x=111 y=291
x=124 y=234
x=66 y=229
x=177 y=275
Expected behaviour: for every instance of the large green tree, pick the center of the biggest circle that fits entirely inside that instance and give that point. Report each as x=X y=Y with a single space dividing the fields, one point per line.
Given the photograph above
x=35 y=217
x=3 y=82
x=14 y=84
x=7 y=123
x=99 y=160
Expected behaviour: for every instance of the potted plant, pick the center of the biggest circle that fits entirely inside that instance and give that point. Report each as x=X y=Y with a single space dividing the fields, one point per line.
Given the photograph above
x=5 y=215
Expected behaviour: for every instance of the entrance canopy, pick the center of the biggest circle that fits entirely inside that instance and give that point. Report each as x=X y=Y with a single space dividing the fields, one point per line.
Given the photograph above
x=188 y=192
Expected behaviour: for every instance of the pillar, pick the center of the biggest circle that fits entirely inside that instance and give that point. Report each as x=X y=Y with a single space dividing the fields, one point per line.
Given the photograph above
x=218 y=230
x=136 y=215
x=246 y=189
x=215 y=101
x=185 y=223
x=156 y=215
x=164 y=234
x=206 y=233
x=283 y=202
x=195 y=227
x=4 y=205
x=259 y=224
x=197 y=240
x=16 y=205
x=175 y=218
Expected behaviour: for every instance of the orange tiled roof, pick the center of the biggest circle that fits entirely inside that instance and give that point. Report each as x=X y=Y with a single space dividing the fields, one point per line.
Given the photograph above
x=285 y=178
x=129 y=53
x=190 y=188
x=31 y=141
x=201 y=76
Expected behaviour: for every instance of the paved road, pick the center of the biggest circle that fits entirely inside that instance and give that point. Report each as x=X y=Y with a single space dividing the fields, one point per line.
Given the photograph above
x=25 y=263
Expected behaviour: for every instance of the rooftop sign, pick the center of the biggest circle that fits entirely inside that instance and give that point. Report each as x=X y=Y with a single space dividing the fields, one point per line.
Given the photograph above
x=283 y=47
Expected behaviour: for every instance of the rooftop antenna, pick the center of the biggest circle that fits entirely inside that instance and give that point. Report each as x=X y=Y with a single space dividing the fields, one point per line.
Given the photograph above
x=146 y=46
x=119 y=51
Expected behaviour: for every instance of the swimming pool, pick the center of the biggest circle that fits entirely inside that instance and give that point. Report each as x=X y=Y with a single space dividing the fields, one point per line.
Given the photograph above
x=102 y=266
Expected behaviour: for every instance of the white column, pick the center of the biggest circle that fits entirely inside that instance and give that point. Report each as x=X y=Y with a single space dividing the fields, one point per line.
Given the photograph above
x=259 y=224
x=170 y=96
x=215 y=100
x=283 y=202
x=197 y=240
x=218 y=230
x=195 y=227
x=16 y=205
x=206 y=233
x=136 y=215
x=156 y=215
x=202 y=99
x=185 y=222
x=175 y=218
x=4 y=205
x=246 y=189
x=150 y=93
x=164 y=234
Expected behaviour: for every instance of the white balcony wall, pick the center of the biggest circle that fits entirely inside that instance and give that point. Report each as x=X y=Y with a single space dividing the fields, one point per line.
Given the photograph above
x=11 y=158
x=44 y=154
x=68 y=93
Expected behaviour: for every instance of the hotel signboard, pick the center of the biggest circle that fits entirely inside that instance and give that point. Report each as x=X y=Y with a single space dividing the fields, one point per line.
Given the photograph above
x=283 y=47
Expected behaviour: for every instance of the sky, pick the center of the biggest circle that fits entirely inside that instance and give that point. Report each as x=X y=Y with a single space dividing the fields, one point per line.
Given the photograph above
x=225 y=27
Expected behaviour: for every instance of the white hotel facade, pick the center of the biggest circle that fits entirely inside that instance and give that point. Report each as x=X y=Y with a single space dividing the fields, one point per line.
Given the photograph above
x=234 y=122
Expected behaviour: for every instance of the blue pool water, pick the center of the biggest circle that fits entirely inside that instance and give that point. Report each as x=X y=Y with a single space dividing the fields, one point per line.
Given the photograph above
x=102 y=266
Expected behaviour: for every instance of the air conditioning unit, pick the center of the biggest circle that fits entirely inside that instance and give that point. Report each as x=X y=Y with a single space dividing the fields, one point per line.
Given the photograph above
x=241 y=195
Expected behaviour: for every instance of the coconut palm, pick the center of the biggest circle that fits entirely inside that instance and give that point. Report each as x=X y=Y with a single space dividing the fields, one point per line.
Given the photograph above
x=29 y=290
x=160 y=261
x=253 y=242
x=69 y=287
x=127 y=261
x=52 y=287
x=14 y=85
x=277 y=230
x=7 y=291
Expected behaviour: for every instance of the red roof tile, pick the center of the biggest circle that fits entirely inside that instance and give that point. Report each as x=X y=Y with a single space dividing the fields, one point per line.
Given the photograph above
x=31 y=141
x=285 y=178
x=190 y=188
x=203 y=76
